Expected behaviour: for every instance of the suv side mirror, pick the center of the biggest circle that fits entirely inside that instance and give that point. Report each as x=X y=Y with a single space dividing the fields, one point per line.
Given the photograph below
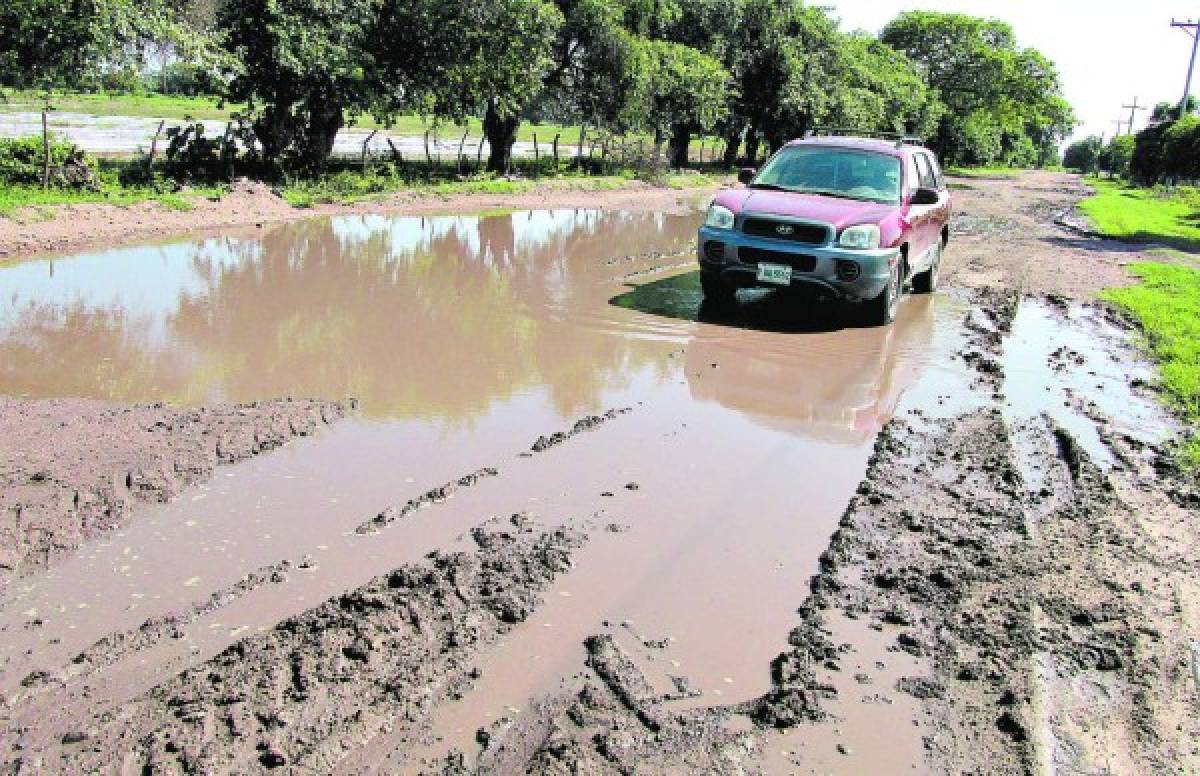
x=746 y=174
x=926 y=197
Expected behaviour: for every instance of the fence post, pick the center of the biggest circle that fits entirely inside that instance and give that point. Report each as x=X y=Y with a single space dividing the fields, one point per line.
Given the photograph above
x=366 y=143
x=397 y=157
x=557 y=135
x=45 y=149
x=154 y=148
x=461 y=145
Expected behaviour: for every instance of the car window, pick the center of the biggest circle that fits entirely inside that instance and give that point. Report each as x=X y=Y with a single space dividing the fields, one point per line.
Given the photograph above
x=914 y=176
x=937 y=171
x=925 y=172
x=839 y=172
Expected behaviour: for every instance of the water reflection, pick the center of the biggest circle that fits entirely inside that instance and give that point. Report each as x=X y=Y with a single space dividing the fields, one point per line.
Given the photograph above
x=417 y=317
x=838 y=387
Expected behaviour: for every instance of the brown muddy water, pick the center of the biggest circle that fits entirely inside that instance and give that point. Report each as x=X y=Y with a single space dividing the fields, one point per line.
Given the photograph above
x=464 y=340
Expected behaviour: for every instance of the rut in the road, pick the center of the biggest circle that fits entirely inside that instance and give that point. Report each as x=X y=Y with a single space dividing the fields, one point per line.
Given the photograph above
x=323 y=682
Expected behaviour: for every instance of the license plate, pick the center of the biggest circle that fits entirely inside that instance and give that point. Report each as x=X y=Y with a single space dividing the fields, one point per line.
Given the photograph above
x=778 y=274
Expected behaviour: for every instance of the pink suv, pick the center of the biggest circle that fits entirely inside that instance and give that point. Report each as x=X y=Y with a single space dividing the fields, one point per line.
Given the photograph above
x=855 y=218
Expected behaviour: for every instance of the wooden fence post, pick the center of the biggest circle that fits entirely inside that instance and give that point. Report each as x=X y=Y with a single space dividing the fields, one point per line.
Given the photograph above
x=461 y=145
x=45 y=150
x=557 y=135
x=154 y=148
x=397 y=157
x=367 y=143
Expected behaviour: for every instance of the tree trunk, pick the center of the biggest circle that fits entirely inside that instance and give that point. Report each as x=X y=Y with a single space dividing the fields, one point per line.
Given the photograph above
x=752 y=143
x=681 y=141
x=325 y=119
x=733 y=144
x=501 y=132
x=46 y=151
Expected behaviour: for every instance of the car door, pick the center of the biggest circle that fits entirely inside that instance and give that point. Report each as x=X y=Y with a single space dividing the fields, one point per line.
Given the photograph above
x=929 y=227
x=919 y=217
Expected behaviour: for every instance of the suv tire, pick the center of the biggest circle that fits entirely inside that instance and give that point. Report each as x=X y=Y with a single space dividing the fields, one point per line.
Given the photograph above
x=716 y=291
x=881 y=310
x=927 y=281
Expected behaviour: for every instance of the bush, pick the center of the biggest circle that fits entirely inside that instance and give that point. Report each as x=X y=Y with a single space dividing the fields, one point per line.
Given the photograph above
x=21 y=158
x=1082 y=155
x=1115 y=157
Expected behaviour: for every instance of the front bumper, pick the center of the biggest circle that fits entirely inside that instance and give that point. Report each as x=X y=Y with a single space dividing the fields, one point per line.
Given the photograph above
x=874 y=267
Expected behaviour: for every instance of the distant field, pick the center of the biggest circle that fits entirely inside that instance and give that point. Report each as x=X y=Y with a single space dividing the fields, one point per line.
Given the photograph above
x=168 y=107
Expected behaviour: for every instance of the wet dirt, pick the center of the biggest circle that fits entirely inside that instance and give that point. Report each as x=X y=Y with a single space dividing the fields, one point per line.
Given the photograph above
x=581 y=523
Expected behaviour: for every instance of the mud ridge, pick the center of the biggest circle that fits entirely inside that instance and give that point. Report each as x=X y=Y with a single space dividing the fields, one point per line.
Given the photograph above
x=610 y=720
x=428 y=498
x=55 y=494
x=587 y=423
x=378 y=658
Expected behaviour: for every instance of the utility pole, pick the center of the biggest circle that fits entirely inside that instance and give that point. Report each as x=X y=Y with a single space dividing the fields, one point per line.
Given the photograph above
x=1120 y=123
x=1133 y=109
x=1191 y=28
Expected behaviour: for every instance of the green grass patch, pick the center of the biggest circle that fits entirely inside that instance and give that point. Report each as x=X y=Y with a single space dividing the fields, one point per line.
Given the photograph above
x=1167 y=306
x=1166 y=216
x=28 y=203
x=349 y=187
x=983 y=172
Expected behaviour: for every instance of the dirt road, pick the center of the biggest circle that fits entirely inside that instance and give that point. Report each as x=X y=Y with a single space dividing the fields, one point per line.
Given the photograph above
x=579 y=523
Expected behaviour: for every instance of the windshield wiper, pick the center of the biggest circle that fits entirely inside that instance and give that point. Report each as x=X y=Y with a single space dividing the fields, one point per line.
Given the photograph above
x=828 y=193
x=768 y=187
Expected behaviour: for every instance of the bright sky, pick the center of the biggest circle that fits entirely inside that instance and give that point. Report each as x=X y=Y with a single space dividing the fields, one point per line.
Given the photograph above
x=1108 y=51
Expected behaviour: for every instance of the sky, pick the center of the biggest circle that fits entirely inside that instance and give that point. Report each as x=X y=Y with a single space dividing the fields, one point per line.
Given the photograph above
x=1107 y=51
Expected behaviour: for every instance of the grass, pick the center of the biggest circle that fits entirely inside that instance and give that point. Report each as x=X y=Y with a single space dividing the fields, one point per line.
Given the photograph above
x=1168 y=217
x=350 y=187
x=178 y=107
x=983 y=172
x=1167 y=306
x=27 y=203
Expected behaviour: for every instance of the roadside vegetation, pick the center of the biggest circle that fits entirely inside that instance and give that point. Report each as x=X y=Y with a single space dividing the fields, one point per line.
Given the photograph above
x=626 y=86
x=1167 y=306
x=1146 y=192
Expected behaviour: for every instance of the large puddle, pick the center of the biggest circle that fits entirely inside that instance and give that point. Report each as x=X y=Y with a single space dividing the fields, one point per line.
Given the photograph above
x=465 y=339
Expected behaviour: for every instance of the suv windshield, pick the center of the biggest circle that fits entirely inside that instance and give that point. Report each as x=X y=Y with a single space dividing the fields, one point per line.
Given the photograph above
x=835 y=172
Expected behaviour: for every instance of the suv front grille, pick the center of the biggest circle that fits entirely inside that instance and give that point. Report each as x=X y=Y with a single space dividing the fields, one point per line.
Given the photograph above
x=808 y=234
x=796 y=261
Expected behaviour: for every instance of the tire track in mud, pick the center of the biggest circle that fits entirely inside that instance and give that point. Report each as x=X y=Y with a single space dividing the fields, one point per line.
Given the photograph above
x=1025 y=596
x=379 y=657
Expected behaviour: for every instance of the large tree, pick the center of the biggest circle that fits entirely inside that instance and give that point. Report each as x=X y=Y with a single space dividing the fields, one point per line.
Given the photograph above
x=56 y=43
x=302 y=67
x=1003 y=103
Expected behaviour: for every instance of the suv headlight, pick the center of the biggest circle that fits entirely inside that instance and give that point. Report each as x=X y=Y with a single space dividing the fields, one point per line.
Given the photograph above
x=719 y=217
x=864 y=237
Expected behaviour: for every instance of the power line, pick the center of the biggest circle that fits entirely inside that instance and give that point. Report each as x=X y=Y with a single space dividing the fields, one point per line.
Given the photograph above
x=1191 y=28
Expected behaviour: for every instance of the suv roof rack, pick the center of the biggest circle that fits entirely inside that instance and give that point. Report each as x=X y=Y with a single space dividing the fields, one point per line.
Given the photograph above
x=899 y=138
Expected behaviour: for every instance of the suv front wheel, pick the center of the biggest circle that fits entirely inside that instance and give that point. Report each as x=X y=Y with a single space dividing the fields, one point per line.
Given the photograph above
x=881 y=310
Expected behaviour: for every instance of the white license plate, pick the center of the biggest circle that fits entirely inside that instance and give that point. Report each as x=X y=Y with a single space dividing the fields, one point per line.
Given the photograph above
x=778 y=274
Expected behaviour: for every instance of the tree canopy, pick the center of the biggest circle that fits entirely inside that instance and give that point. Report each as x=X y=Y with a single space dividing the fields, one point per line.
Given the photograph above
x=758 y=72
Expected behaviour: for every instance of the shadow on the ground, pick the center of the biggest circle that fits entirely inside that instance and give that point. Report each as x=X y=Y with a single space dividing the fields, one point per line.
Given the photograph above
x=680 y=297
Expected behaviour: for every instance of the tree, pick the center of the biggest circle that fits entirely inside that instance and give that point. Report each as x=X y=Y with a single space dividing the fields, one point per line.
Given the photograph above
x=681 y=91
x=1083 y=155
x=301 y=68
x=1116 y=156
x=1003 y=104
x=56 y=43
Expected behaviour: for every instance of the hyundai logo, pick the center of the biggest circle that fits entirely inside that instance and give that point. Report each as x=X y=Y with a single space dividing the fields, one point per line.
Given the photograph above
x=785 y=229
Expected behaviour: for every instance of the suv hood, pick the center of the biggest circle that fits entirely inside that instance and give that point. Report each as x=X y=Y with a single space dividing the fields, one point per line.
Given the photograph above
x=839 y=212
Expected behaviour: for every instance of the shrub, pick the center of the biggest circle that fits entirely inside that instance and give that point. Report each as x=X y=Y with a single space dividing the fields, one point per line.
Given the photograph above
x=21 y=158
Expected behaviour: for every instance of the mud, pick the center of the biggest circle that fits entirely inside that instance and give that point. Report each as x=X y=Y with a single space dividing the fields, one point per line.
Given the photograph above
x=953 y=544
x=250 y=206
x=317 y=684
x=74 y=469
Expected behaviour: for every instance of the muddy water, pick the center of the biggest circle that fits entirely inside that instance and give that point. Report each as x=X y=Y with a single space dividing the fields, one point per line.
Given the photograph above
x=466 y=338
